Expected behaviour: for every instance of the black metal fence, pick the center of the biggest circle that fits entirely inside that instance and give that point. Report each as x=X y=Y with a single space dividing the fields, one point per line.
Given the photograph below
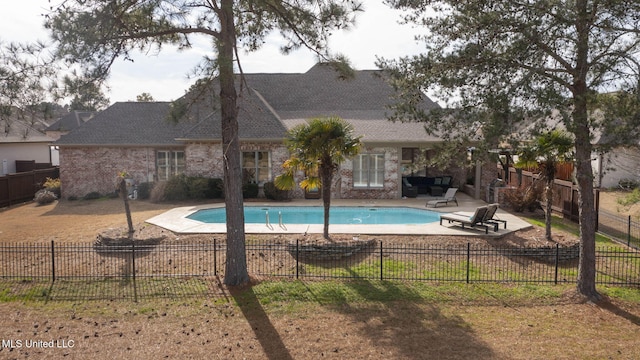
x=623 y=229
x=471 y=263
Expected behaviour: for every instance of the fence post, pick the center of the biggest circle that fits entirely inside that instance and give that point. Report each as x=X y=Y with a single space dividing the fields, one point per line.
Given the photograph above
x=468 y=260
x=215 y=257
x=297 y=255
x=629 y=231
x=133 y=265
x=381 y=266
x=555 y=281
x=53 y=263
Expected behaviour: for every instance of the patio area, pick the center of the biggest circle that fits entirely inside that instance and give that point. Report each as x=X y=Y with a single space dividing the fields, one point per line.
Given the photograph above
x=176 y=219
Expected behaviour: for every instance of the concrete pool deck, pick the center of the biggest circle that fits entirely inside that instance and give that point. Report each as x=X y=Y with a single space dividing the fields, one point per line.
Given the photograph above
x=176 y=219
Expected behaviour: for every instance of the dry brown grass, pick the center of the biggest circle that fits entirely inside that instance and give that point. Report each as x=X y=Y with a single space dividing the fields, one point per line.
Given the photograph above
x=237 y=325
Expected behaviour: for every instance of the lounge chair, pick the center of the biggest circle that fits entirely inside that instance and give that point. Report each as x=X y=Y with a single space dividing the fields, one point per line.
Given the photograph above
x=490 y=217
x=472 y=221
x=449 y=196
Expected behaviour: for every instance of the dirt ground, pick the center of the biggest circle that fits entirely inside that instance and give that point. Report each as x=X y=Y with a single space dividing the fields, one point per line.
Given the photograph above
x=238 y=326
x=81 y=221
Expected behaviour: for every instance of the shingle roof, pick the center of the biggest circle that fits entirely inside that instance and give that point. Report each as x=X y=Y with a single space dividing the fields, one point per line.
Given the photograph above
x=128 y=123
x=71 y=121
x=272 y=104
x=362 y=101
x=17 y=131
x=319 y=92
x=255 y=121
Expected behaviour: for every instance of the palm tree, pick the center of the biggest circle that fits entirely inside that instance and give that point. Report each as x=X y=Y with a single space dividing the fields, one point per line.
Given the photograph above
x=548 y=149
x=318 y=148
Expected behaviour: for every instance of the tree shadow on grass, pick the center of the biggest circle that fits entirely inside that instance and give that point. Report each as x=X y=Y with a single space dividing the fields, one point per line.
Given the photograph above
x=259 y=321
x=607 y=305
x=398 y=317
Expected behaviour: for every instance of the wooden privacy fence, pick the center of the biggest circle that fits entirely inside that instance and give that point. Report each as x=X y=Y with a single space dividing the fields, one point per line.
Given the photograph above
x=21 y=187
x=565 y=193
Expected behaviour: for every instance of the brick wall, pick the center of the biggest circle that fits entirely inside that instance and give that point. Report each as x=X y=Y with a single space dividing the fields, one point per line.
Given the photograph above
x=345 y=189
x=206 y=159
x=85 y=170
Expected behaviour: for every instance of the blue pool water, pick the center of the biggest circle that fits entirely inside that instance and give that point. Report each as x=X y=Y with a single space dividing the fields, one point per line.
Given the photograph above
x=314 y=215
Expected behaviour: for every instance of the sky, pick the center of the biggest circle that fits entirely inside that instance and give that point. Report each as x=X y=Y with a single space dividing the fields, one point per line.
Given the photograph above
x=165 y=75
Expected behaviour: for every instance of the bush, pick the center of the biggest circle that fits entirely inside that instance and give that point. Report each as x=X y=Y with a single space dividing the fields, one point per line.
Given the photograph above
x=250 y=190
x=45 y=196
x=144 y=190
x=176 y=188
x=215 y=189
x=628 y=184
x=197 y=187
x=182 y=187
x=157 y=192
x=92 y=196
x=631 y=198
x=273 y=193
x=524 y=197
x=52 y=185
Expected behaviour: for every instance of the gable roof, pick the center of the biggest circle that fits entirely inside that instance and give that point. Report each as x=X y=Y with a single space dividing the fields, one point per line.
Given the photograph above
x=362 y=101
x=71 y=120
x=320 y=92
x=256 y=121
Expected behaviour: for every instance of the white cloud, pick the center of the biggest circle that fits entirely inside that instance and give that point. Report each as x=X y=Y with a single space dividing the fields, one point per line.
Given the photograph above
x=164 y=76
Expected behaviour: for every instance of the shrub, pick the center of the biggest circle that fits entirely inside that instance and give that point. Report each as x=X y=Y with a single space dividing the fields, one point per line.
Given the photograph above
x=524 y=197
x=157 y=193
x=197 y=187
x=182 y=187
x=45 y=196
x=176 y=188
x=92 y=196
x=144 y=190
x=273 y=193
x=215 y=189
x=630 y=198
x=250 y=190
x=628 y=184
x=52 y=185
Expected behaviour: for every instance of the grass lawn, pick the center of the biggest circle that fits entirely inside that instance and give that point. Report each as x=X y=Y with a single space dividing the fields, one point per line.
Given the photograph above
x=336 y=320
x=298 y=320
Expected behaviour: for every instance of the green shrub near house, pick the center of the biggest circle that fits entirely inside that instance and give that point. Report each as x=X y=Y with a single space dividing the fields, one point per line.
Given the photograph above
x=144 y=190
x=92 y=196
x=197 y=187
x=182 y=187
x=215 y=189
x=273 y=193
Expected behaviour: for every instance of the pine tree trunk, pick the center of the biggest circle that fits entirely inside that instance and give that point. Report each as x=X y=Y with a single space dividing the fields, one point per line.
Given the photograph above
x=236 y=264
x=584 y=171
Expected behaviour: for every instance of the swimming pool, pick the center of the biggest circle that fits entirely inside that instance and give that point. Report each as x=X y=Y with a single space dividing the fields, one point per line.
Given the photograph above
x=314 y=215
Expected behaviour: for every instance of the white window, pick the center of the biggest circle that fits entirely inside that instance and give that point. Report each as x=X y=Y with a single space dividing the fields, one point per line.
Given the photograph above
x=368 y=171
x=169 y=163
x=257 y=166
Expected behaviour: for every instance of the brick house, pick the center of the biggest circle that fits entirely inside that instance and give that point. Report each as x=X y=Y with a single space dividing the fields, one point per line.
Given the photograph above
x=138 y=138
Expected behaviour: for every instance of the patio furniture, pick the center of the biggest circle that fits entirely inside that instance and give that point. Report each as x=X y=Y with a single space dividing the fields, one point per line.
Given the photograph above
x=409 y=190
x=472 y=221
x=490 y=217
x=449 y=196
